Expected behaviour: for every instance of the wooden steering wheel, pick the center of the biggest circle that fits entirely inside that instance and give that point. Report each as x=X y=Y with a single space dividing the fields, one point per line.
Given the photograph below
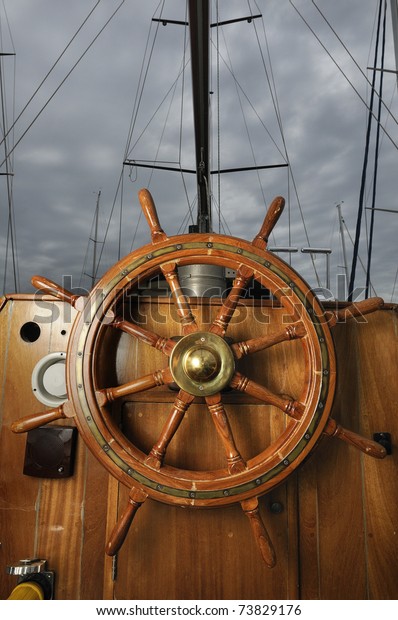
x=202 y=363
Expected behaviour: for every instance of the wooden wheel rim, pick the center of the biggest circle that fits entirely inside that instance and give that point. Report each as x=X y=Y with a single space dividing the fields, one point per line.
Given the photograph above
x=186 y=487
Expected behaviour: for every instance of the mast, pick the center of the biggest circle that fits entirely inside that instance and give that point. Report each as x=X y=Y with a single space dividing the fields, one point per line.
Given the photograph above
x=199 y=28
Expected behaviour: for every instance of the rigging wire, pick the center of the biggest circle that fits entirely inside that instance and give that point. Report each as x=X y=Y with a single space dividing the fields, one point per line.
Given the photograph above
x=365 y=163
x=190 y=207
x=395 y=283
x=119 y=183
x=279 y=117
x=136 y=105
x=224 y=224
x=145 y=64
x=138 y=96
x=8 y=165
x=119 y=247
x=335 y=218
x=173 y=91
x=12 y=158
x=173 y=86
x=64 y=79
x=93 y=238
x=344 y=74
x=261 y=121
x=244 y=119
x=49 y=71
x=381 y=103
x=377 y=145
x=14 y=82
x=379 y=94
x=8 y=26
x=381 y=144
x=11 y=240
x=367 y=197
x=183 y=82
x=142 y=80
x=383 y=136
x=184 y=222
x=136 y=230
x=274 y=96
x=359 y=258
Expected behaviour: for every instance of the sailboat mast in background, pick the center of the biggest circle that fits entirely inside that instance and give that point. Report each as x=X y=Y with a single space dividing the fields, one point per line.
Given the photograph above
x=199 y=27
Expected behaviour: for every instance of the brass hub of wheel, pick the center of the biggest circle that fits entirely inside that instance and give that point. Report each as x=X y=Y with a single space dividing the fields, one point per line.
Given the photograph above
x=202 y=363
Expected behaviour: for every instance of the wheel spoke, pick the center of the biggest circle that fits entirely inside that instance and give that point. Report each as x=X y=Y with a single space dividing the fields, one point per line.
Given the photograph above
x=149 y=209
x=261 y=536
x=291 y=332
x=358 y=309
x=52 y=288
x=147 y=382
x=368 y=446
x=136 y=498
x=244 y=274
x=272 y=216
x=290 y=407
x=181 y=404
x=224 y=316
x=184 y=311
x=235 y=462
x=165 y=345
x=35 y=420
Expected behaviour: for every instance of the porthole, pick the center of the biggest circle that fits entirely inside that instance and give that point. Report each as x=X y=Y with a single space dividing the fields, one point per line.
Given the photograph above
x=30 y=332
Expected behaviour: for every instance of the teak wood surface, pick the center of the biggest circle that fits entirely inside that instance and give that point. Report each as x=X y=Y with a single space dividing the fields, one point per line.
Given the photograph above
x=335 y=537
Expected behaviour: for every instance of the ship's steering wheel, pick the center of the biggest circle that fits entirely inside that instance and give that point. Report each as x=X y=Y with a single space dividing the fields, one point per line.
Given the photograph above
x=203 y=364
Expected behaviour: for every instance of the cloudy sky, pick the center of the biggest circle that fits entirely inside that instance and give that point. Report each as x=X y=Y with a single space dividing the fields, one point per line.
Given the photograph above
x=76 y=146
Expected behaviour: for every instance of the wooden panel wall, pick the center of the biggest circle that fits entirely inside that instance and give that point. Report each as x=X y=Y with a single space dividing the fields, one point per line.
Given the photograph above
x=210 y=553
x=336 y=536
x=348 y=502
x=62 y=521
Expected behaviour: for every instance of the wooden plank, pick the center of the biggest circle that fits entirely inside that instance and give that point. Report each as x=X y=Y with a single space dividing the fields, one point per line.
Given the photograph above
x=309 y=560
x=378 y=359
x=174 y=553
x=59 y=531
x=114 y=488
x=94 y=583
x=73 y=539
x=332 y=546
x=292 y=551
x=60 y=520
x=341 y=546
x=20 y=493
